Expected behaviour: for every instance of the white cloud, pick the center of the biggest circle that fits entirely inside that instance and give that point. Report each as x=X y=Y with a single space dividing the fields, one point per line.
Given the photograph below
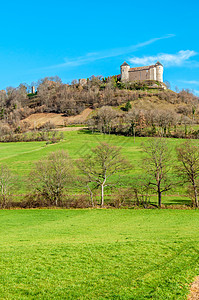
x=196 y=92
x=91 y=57
x=194 y=82
x=166 y=59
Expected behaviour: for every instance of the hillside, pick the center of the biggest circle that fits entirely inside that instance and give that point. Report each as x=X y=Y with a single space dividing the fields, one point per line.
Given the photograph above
x=63 y=104
x=21 y=157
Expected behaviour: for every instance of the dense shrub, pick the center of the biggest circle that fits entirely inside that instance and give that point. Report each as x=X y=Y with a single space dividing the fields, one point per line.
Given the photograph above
x=48 y=136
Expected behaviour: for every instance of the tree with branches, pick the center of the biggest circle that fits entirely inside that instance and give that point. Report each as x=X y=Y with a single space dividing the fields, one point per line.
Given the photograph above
x=99 y=167
x=6 y=182
x=52 y=176
x=188 y=167
x=157 y=164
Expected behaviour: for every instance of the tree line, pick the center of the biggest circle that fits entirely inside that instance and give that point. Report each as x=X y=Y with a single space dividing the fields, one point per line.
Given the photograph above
x=142 y=122
x=57 y=178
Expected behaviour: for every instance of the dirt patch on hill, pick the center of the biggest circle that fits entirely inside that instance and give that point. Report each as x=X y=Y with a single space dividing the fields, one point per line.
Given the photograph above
x=194 y=291
x=69 y=128
x=36 y=120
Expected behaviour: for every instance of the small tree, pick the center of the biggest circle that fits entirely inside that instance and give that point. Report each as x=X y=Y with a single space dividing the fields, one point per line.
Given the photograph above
x=104 y=162
x=188 y=168
x=104 y=119
x=157 y=164
x=52 y=176
x=141 y=191
x=6 y=181
x=85 y=184
x=128 y=106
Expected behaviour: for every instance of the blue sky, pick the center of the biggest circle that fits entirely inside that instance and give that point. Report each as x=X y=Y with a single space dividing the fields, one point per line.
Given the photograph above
x=77 y=39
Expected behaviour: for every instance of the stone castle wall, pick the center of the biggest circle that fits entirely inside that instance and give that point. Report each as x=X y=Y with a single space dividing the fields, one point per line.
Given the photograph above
x=154 y=72
x=141 y=75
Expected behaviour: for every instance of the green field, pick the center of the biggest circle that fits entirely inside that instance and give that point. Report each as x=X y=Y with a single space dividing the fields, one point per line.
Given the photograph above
x=98 y=254
x=20 y=157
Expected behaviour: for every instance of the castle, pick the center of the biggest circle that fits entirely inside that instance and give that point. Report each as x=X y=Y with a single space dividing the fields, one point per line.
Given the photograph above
x=153 y=72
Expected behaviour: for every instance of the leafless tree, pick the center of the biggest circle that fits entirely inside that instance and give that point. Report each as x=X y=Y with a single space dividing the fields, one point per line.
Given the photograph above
x=141 y=191
x=188 y=168
x=100 y=166
x=84 y=183
x=167 y=83
x=104 y=119
x=6 y=182
x=185 y=121
x=157 y=164
x=52 y=176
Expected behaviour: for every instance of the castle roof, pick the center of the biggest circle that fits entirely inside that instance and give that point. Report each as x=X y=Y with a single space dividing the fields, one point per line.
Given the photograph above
x=158 y=64
x=124 y=64
x=145 y=67
x=141 y=68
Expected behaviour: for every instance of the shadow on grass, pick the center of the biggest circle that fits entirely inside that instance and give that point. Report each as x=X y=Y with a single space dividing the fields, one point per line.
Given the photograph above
x=85 y=131
x=179 y=202
x=168 y=202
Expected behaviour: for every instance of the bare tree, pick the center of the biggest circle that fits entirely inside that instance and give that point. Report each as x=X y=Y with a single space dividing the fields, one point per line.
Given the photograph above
x=52 y=176
x=167 y=83
x=104 y=119
x=104 y=162
x=157 y=164
x=141 y=191
x=6 y=183
x=188 y=168
x=85 y=184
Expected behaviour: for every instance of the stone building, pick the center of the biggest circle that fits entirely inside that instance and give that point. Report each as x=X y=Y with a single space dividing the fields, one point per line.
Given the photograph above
x=33 y=89
x=82 y=81
x=153 y=72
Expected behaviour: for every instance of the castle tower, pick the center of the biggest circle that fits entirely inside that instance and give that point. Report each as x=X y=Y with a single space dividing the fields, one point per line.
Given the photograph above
x=159 y=71
x=33 y=89
x=124 y=68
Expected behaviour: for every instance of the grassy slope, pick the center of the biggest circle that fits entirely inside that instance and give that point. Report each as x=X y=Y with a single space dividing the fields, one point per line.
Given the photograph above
x=21 y=156
x=98 y=254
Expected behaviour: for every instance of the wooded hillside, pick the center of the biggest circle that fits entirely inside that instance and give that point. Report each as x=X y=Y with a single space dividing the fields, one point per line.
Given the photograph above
x=140 y=99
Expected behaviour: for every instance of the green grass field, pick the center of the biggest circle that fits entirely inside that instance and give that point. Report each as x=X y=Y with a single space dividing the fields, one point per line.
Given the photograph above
x=20 y=157
x=98 y=254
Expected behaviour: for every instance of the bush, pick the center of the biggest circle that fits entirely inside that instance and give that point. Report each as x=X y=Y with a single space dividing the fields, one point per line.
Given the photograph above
x=46 y=126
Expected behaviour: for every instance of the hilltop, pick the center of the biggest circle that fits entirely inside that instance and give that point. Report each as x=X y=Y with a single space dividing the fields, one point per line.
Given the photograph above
x=58 y=104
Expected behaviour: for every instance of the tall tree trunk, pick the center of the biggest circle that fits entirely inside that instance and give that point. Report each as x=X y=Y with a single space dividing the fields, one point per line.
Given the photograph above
x=195 y=195
x=91 y=195
x=159 y=198
x=92 y=202
x=102 y=195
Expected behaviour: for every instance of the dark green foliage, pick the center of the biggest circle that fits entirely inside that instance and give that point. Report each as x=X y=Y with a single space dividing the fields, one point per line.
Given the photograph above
x=128 y=106
x=31 y=95
x=2 y=113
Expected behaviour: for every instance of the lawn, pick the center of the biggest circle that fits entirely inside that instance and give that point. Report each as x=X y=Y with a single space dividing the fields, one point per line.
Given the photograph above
x=98 y=254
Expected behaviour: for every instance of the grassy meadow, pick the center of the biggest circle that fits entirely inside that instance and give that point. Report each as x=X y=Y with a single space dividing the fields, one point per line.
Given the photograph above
x=95 y=253
x=98 y=254
x=20 y=157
